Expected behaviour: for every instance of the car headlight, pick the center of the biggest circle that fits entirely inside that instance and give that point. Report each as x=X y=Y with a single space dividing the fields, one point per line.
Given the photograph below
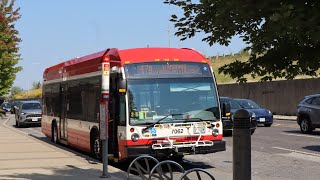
x=269 y=112
x=215 y=132
x=23 y=113
x=253 y=115
x=135 y=137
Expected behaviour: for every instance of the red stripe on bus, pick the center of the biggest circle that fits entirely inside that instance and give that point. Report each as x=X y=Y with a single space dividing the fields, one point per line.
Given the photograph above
x=142 y=142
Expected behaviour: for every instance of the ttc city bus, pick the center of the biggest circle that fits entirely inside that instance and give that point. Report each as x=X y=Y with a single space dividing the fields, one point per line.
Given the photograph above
x=157 y=101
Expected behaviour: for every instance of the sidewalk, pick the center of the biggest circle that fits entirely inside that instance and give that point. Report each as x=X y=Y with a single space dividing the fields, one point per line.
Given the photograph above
x=25 y=157
x=282 y=117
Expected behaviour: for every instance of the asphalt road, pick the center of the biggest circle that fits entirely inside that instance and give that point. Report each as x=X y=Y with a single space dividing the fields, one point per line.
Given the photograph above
x=278 y=152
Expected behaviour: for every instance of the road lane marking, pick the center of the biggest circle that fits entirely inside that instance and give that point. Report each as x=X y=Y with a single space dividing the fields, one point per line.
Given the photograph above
x=296 y=151
x=301 y=135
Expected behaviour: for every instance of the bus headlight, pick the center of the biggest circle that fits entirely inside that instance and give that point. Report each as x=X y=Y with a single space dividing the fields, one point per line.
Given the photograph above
x=215 y=132
x=135 y=137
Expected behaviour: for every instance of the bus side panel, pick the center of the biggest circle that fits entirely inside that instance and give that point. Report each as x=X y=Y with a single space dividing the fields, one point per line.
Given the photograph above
x=46 y=125
x=79 y=134
x=122 y=142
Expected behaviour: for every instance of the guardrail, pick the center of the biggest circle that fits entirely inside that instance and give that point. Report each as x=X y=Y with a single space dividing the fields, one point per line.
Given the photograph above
x=165 y=170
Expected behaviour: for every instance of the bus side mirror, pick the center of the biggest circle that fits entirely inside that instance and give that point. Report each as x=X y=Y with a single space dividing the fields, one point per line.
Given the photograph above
x=122 y=85
x=226 y=109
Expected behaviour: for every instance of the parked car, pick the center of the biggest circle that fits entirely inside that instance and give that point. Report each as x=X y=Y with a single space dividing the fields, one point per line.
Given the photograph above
x=308 y=113
x=29 y=112
x=6 y=107
x=263 y=116
x=228 y=121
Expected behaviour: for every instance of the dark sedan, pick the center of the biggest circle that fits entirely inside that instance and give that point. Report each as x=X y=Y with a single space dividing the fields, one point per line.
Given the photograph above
x=263 y=116
x=228 y=121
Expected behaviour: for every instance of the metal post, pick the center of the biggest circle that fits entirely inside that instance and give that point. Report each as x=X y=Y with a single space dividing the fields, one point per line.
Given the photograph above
x=105 y=159
x=241 y=145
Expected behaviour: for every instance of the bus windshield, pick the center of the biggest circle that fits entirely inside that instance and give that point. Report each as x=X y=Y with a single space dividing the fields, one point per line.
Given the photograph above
x=174 y=99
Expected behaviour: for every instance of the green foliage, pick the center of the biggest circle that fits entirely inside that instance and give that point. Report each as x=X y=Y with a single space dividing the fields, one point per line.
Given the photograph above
x=16 y=90
x=283 y=36
x=9 y=40
x=36 y=85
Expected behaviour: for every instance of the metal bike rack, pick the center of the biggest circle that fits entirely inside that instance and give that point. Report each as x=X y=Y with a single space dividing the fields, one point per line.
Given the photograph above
x=158 y=173
x=197 y=171
x=168 y=144
x=137 y=166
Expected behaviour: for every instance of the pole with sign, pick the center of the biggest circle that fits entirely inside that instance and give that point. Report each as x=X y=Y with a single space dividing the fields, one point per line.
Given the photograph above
x=104 y=115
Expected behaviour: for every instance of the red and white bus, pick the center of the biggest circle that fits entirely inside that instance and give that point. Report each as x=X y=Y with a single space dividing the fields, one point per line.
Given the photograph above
x=159 y=101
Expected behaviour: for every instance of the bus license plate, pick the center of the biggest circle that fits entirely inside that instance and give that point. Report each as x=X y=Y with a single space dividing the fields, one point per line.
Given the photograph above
x=199 y=130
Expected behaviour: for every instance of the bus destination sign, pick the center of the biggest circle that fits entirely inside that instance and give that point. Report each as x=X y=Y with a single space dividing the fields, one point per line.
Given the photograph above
x=166 y=69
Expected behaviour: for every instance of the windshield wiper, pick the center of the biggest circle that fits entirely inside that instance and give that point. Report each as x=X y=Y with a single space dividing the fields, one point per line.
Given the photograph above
x=149 y=126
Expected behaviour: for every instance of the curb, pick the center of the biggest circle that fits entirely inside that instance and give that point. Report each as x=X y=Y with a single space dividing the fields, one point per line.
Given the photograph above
x=285 y=118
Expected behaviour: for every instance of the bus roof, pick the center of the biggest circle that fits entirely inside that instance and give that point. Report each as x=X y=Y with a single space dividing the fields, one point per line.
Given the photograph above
x=92 y=62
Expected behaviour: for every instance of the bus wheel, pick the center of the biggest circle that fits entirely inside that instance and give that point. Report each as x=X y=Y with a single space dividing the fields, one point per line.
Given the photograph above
x=96 y=147
x=55 y=134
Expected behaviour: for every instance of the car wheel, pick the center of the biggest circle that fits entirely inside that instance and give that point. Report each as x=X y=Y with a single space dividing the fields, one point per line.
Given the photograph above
x=267 y=125
x=305 y=126
x=96 y=147
x=55 y=134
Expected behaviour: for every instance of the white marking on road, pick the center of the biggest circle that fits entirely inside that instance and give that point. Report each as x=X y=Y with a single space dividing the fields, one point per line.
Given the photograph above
x=295 y=151
x=300 y=135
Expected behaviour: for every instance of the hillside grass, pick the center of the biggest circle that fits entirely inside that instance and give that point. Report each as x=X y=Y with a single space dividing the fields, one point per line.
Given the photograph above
x=220 y=61
x=35 y=93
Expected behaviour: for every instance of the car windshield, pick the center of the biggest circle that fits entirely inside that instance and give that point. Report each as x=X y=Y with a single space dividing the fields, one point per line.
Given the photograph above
x=248 y=104
x=31 y=106
x=186 y=99
x=233 y=103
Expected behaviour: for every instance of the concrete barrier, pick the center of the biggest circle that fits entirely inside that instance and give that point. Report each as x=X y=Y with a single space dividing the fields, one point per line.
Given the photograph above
x=280 y=97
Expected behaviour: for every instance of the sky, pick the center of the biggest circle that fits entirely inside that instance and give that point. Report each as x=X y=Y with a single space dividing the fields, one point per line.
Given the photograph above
x=56 y=31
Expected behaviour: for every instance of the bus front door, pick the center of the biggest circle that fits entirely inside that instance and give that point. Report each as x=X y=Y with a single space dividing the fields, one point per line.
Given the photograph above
x=64 y=107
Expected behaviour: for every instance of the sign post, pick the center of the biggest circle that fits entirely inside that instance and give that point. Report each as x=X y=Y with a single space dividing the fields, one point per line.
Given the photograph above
x=104 y=116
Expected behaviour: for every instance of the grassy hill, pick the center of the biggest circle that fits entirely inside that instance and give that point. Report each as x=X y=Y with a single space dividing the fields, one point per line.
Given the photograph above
x=219 y=61
x=35 y=93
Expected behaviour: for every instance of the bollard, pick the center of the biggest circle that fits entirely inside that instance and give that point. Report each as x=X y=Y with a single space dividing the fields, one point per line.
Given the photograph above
x=241 y=145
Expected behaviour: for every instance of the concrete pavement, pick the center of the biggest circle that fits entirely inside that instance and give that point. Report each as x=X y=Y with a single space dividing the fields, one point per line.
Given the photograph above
x=25 y=157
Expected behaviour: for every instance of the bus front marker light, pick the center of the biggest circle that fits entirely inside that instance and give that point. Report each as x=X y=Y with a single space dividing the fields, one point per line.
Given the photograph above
x=135 y=137
x=132 y=130
x=217 y=125
x=215 y=132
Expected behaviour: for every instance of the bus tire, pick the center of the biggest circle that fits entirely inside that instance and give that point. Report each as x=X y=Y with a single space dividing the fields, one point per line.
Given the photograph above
x=54 y=138
x=96 y=146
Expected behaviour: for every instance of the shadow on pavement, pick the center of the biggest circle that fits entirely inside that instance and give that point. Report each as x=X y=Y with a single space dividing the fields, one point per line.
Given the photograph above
x=316 y=133
x=69 y=172
x=315 y=148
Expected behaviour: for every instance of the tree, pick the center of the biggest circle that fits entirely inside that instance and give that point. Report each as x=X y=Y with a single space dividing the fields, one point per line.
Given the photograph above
x=283 y=36
x=36 y=85
x=9 y=40
x=16 y=90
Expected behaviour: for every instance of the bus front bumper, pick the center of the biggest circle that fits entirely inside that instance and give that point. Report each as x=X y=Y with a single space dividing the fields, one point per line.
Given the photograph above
x=134 y=151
